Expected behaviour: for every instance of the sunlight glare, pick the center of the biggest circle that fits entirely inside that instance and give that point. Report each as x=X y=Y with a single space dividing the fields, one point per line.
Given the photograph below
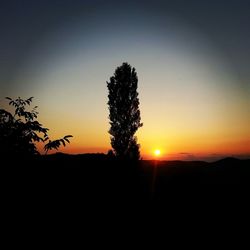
x=157 y=152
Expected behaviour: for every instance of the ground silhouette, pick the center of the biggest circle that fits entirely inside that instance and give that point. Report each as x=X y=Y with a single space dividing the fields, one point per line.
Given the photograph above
x=96 y=192
x=97 y=178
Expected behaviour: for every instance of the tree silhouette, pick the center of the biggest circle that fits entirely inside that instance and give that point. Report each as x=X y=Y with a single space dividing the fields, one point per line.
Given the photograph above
x=124 y=113
x=19 y=132
x=56 y=143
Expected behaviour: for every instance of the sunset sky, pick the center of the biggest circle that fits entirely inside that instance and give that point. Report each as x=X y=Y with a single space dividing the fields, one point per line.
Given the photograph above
x=192 y=59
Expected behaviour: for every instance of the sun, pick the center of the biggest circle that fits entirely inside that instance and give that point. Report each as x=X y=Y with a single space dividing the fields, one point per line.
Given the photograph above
x=157 y=152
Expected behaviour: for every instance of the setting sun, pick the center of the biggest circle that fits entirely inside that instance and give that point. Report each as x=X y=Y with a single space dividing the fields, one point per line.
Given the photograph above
x=157 y=152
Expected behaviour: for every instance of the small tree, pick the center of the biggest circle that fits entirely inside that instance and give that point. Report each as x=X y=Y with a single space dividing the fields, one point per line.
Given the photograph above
x=124 y=113
x=19 y=132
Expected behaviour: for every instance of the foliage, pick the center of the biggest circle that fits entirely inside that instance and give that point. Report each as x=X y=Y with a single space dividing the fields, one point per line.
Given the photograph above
x=57 y=143
x=20 y=131
x=124 y=113
x=110 y=154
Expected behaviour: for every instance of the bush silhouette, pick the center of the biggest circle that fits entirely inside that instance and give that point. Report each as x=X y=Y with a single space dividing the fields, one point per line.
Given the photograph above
x=124 y=112
x=20 y=131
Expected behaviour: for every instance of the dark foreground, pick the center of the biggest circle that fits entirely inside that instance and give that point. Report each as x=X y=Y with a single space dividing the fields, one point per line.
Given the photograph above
x=85 y=179
x=90 y=192
x=67 y=186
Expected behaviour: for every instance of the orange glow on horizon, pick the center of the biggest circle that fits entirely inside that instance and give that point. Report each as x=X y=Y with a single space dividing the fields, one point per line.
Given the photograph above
x=184 y=150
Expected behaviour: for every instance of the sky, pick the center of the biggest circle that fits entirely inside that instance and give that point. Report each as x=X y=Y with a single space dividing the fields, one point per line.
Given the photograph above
x=191 y=57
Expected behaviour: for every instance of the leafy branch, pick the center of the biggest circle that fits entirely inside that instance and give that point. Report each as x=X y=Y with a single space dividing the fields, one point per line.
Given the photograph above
x=56 y=143
x=20 y=131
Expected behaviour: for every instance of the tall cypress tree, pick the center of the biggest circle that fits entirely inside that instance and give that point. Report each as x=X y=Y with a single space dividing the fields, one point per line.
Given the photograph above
x=124 y=113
